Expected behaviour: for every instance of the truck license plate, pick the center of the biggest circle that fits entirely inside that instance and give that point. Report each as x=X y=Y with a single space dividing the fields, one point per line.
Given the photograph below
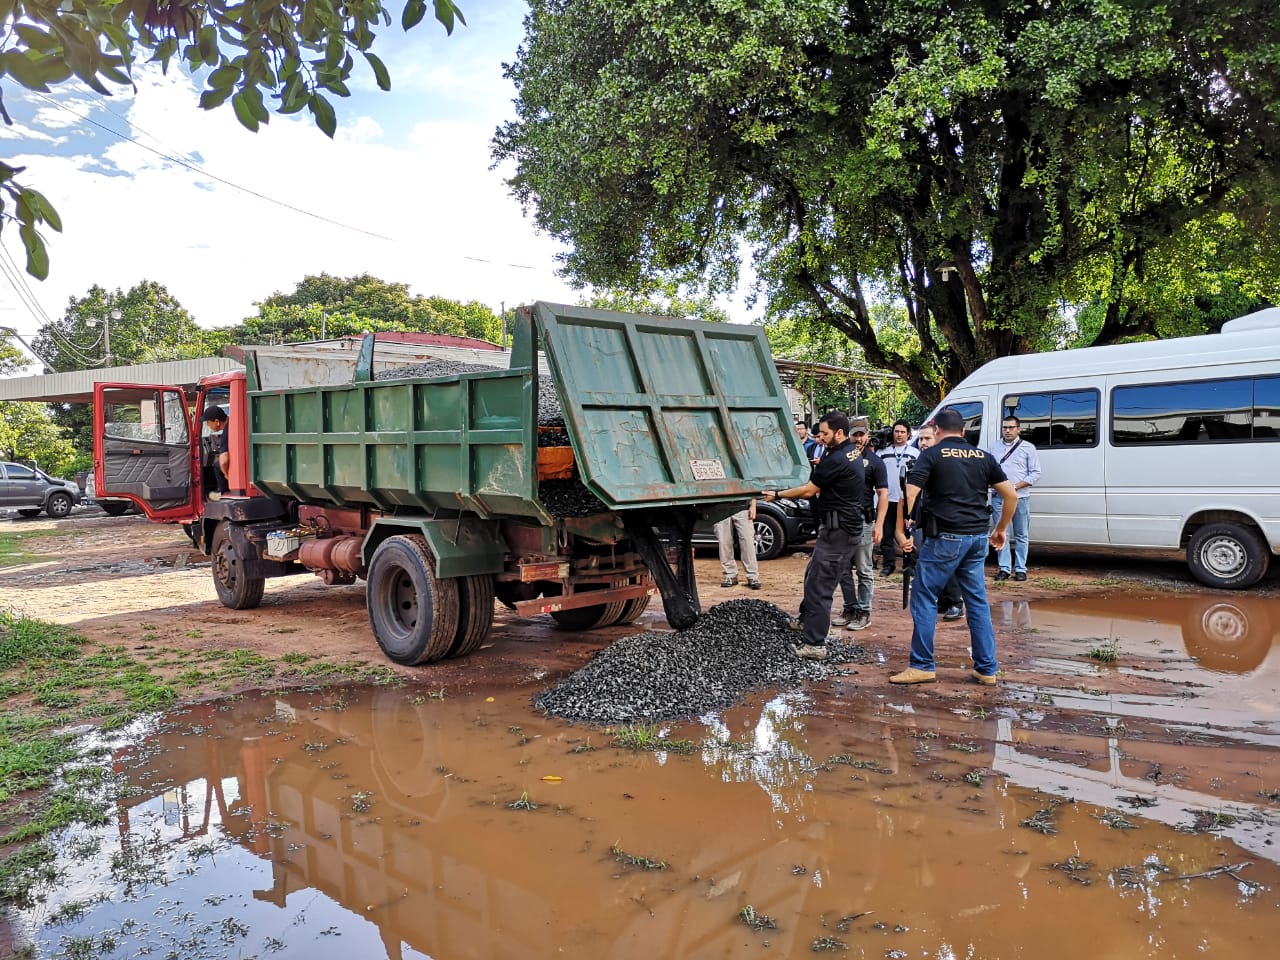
x=707 y=469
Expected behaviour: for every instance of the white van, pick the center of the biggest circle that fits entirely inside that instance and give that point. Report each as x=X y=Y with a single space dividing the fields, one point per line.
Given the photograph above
x=1150 y=446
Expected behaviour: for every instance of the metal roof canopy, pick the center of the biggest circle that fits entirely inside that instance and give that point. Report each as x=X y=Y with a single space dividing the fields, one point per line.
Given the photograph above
x=77 y=385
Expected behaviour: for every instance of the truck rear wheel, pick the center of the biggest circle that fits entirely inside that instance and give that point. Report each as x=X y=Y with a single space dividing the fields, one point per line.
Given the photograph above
x=631 y=612
x=236 y=589
x=588 y=618
x=476 y=616
x=414 y=613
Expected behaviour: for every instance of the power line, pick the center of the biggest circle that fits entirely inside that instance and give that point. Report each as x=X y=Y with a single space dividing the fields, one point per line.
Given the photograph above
x=212 y=176
x=14 y=275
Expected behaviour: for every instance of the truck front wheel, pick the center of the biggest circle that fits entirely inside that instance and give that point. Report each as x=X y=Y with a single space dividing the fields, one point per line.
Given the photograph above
x=236 y=589
x=413 y=613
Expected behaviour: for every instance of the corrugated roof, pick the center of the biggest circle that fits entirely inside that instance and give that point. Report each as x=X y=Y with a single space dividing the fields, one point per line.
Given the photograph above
x=77 y=386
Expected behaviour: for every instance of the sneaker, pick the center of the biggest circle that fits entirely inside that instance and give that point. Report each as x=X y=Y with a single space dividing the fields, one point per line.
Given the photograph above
x=987 y=680
x=886 y=570
x=795 y=625
x=953 y=613
x=845 y=617
x=1004 y=575
x=1020 y=576
x=860 y=620
x=215 y=495
x=753 y=584
x=729 y=582
x=808 y=651
x=912 y=675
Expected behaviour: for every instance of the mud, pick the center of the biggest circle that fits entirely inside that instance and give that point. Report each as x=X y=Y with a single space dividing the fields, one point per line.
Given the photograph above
x=1051 y=816
x=393 y=823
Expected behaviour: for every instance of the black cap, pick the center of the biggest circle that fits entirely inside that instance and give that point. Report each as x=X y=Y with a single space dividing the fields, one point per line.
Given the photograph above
x=213 y=413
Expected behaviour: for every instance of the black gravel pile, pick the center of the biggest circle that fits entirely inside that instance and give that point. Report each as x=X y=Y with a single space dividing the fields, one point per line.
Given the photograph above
x=569 y=498
x=736 y=647
x=549 y=412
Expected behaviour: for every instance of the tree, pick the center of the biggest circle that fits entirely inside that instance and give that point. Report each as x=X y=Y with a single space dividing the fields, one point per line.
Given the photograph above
x=11 y=358
x=326 y=306
x=298 y=54
x=863 y=152
x=152 y=326
x=28 y=432
x=666 y=302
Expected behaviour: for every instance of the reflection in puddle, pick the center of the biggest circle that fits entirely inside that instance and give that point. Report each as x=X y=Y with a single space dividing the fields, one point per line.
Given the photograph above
x=373 y=823
x=1228 y=635
x=1213 y=661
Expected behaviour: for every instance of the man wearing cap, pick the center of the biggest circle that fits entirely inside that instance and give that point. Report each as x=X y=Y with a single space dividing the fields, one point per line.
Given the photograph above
x=856 y=614
x=217 y=453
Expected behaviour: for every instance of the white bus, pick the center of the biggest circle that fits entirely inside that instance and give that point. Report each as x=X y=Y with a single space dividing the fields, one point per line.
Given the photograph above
x=1171 y=444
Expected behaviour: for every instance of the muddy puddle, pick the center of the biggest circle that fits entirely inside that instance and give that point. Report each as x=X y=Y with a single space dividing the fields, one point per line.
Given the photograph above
x=850 y=818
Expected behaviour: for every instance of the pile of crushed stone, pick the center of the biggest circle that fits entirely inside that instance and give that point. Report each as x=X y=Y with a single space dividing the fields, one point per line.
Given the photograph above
x=735 y=648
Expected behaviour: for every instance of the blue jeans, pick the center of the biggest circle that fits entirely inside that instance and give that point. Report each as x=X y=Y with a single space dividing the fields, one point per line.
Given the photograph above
x=1019 y=537
x=941 y=557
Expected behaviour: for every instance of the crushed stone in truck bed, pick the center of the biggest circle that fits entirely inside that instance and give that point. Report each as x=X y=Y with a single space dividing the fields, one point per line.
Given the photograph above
x=549 y=412
x=736 y=647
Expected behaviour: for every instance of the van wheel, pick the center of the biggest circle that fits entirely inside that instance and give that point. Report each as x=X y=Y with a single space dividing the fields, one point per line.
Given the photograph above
x=235 y=588
x=771 y=539
x=1228 y=555
x=414 y=613
x=115 y=508
x=29 y=512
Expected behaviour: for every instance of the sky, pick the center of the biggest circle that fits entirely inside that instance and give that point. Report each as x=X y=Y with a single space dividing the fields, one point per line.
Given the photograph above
x=407 y=176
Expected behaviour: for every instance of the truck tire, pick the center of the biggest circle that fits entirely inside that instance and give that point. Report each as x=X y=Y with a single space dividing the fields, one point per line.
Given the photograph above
x=589 y=618
x=115 y=508
x=413 y=613
x=1230 y=556
x=58 y=505
x=633 y=608
x=771 y=539
x=29 y=512
x=235 y=588
x=476 y=615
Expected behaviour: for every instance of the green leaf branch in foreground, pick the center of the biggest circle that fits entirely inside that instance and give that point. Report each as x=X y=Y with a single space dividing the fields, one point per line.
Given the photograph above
x=297 y=53
x=989 y=167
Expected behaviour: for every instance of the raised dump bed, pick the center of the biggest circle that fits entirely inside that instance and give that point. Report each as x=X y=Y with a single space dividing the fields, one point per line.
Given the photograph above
x=567 y=483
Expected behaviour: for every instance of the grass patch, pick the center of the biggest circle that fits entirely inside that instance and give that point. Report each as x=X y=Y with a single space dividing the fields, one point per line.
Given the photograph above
x=12 y=550
x=632 y=860
x=647 y=737
x=1106 y=652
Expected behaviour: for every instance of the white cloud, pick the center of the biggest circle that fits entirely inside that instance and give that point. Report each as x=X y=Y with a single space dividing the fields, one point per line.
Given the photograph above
x=129 y=214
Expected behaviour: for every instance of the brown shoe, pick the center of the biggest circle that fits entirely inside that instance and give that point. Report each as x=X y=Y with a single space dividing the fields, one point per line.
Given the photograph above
x=912 y=675
x=987 y=680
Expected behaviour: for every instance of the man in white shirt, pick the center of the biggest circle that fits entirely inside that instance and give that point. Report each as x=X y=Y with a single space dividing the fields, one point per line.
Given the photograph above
x=1021 y=465
x=898 y=458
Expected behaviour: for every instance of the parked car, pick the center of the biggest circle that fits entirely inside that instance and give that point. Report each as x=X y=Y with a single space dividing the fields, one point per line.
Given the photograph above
x=111 y=506
x=32 y=490
x=779 y=524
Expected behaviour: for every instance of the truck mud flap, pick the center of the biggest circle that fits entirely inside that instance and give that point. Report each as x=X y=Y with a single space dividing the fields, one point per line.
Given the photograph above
x=250 y=543
x=679 y=587
x=249 y=509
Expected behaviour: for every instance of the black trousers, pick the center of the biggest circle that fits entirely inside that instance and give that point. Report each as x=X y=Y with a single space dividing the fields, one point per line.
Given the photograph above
x=832 y=554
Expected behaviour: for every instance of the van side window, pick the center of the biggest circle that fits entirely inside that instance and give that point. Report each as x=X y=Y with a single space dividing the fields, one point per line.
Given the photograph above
x=1063 y=418
x=1205 y=411
x=971 y=410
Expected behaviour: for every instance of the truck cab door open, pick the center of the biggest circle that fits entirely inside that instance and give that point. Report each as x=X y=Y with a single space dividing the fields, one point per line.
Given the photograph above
x=143 y=449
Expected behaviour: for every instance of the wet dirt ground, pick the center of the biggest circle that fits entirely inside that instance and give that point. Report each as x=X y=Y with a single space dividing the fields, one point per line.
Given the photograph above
x=1082 y=808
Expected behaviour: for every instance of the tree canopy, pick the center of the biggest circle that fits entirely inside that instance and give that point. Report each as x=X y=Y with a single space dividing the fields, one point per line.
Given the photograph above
x=328 y=306
x=28 y=432
x=299 y=54
x=980 y=163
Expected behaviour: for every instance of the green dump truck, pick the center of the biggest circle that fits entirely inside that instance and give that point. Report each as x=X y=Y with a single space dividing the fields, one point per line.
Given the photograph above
x=567 y=482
